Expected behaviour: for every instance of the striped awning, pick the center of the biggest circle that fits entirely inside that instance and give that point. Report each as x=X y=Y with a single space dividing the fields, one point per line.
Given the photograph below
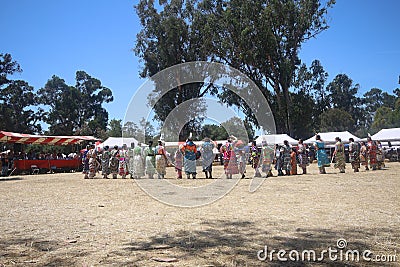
x=9 y=137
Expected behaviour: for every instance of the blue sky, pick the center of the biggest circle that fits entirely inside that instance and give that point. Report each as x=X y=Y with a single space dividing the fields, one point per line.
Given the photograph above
x=50 y=37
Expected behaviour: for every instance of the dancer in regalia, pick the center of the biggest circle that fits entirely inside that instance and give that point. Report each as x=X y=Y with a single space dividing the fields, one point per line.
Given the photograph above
x=189 y=151
x=207 y=155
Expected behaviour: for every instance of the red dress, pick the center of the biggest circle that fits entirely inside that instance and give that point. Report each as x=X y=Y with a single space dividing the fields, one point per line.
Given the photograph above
x=230 y=160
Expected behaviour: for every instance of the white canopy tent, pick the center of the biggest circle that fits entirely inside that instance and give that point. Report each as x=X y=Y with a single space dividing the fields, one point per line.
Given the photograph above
x=387 y=135
x=276 y=139
x=329 y=137
x=119 y=141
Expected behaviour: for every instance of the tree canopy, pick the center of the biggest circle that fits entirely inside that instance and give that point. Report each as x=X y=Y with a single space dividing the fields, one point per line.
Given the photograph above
x=18 y=103
x=219 y=30
x=76 y=109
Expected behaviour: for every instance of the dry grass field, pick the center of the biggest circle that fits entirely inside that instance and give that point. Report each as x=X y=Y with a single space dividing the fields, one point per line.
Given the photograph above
x=64 y=220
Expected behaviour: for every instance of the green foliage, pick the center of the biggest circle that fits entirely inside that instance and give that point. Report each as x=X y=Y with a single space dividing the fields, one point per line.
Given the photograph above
x=115 y=128
x=76 y=109
x=215 y=132
x=166 y=39
x=336 y=120
x=144 y=132
x=343 y=95
x=234 y=126
x=310 y=99
x=276 y=30
x=386 y=117
x=18 y=111
x=220 y=30
x=239 y=128
x=8 y=66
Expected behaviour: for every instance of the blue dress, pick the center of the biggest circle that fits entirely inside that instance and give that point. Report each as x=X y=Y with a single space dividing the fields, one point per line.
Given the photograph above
x=322 y=158
x=189 y=151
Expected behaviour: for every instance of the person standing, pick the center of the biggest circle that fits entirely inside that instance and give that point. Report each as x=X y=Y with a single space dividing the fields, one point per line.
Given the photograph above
x=230 y=160
x=255 y=159
x=267 y=156
x=136 y=166
x=178 y=163
x=286 y=150
x=189 y=151
x=372 y=149
x=114 y=162
x=322 y=158
x=242 y=160
x=123 y=162
x=380 y=158
x=92 y=155
x=85 y=162
x=354 y=155
x=207 y=154
x=161 y=160
x=278 y=158
x=364 y=155
x=4 y=164
x=338 y=154
x=105 y=162
x=303 y=156
x=293 y=162
x=150 y=163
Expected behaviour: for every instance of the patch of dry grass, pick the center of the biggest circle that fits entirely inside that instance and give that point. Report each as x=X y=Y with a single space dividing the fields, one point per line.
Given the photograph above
x=64 y=220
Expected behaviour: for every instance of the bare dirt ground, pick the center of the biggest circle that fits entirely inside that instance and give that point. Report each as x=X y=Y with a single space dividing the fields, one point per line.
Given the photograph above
x=64 y=220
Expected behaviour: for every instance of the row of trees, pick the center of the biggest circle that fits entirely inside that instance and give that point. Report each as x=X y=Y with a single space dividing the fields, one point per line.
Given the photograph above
x=78 y=109
x=68 y=110
x=262 y=39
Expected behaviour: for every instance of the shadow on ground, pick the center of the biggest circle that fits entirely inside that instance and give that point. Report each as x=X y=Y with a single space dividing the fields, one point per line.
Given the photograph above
x=236 y=243
x=213 y=243
x=5 y=179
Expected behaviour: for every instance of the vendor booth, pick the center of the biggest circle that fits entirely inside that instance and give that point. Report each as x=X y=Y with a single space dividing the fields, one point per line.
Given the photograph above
x=21 y=165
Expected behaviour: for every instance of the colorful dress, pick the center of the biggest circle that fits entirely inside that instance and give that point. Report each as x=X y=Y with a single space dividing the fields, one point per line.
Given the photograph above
x=303 y=156
x=161 y=161
x=230 y=160
x=91 y=155
x=150 y=162
x=364 y=156
x=339 y=156
x=178 y=163
x=123 y=163
x=114 y=162
x=372 y=149
x=207 y=155
x=105 y=163
x=255 y=160
x=267 y=156
x=354 y=156
x=189 y=151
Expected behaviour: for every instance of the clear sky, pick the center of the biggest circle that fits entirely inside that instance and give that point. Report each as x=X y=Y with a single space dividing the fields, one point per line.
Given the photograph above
x=59 y=37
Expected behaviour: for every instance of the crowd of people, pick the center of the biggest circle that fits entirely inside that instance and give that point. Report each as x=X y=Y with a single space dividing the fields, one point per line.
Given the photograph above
x=147 y=161
x=8 y=158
